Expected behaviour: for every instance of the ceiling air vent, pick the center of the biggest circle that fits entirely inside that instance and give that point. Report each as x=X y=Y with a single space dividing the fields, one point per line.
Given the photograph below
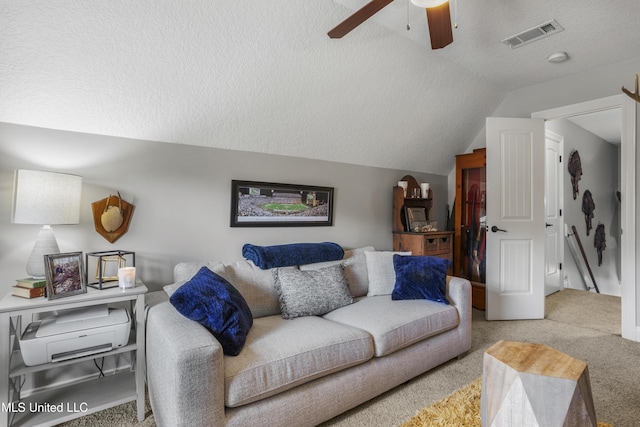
x=533 y=34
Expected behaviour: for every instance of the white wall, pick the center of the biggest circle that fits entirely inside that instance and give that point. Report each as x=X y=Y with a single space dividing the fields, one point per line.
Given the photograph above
x=600 y=176
x=182 y=196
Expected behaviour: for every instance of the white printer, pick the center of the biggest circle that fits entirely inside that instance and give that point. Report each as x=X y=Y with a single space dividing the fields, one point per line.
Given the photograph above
x=75 y=333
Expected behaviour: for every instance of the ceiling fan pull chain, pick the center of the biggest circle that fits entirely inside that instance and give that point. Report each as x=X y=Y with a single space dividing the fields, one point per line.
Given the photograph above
x=408 y=25
x=455 y=14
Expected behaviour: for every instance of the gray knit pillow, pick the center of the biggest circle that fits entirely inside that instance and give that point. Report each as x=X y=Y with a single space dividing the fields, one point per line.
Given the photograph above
x=311 y=292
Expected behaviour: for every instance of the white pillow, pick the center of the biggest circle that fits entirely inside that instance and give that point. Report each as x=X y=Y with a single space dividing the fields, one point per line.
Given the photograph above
x=382 y=275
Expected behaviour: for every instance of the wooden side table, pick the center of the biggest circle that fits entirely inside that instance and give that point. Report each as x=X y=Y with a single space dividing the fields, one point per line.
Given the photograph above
x=78 y=399
x=527 y=384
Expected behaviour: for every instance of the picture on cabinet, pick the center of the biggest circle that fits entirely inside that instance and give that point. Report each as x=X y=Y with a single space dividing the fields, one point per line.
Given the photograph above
x=416 y=218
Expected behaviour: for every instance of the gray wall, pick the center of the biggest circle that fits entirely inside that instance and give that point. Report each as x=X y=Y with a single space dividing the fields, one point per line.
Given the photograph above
x=601 y=177
x=182 y=198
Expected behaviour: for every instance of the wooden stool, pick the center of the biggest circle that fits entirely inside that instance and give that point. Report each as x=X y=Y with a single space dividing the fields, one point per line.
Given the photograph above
x=534 y=385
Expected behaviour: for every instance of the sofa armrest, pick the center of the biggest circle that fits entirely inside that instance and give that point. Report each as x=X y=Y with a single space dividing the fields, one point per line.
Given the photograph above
x=459 y=295
x=185 y=370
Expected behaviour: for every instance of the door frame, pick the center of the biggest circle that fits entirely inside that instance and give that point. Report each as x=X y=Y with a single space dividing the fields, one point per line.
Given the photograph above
x=629 y=304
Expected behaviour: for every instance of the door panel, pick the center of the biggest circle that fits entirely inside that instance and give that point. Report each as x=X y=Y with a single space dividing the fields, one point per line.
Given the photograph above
x=515 y=219
x=554 y=243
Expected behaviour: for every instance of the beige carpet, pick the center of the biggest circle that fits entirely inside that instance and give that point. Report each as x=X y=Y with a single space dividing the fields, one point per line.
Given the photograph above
x=585 y=309
x=582 y=324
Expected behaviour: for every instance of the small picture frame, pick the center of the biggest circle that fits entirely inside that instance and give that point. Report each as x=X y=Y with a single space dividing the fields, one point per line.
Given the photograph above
x=65 y=275
x=416 y=218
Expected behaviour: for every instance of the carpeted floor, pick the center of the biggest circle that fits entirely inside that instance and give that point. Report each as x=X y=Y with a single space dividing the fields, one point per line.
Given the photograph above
x=585 y=309
x=582 y=324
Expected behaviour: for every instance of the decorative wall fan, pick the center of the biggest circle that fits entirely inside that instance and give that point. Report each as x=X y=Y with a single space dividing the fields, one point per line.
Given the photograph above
x=438 y=19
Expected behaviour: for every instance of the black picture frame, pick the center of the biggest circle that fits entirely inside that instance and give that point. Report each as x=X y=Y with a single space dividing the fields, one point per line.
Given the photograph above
x=64 y=275
x=267 y=204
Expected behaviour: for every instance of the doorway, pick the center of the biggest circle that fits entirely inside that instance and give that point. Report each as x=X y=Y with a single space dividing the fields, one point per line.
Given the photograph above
x=591 y=243
x=628 y=290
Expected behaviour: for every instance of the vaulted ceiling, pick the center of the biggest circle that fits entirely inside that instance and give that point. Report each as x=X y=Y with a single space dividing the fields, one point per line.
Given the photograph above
x=265 y=77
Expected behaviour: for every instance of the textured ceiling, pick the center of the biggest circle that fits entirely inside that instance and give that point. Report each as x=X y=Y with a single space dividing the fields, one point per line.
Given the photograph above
x=265 y=77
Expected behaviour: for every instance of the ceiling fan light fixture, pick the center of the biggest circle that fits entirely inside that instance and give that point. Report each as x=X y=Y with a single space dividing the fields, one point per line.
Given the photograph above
x=425 y=4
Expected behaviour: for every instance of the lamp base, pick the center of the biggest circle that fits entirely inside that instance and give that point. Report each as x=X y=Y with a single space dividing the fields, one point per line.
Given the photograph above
x=45 y=244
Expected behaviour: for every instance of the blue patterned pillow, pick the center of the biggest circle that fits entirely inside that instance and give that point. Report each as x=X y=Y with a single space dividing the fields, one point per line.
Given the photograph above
x=213 y=302
x=420 y=277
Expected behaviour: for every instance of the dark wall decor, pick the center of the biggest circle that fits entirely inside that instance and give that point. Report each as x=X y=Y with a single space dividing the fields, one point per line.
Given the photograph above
x=575 y=169
x=265 y=204
x=599 y=241
x=588 y=206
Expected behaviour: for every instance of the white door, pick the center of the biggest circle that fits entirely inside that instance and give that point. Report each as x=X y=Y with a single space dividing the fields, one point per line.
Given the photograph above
x=553 y=203
x=515 y=219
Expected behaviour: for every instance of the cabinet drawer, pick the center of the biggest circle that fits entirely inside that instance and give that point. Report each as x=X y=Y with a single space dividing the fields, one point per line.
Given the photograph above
x=430 y=244
x=435 y=245
x=444 y=244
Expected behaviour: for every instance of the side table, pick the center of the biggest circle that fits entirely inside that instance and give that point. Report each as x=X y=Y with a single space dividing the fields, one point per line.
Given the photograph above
x=66 y=402
x=527 y=384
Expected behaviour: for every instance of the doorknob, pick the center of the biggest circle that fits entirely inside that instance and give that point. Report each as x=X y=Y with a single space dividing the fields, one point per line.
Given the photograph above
x=546 y=224
x=494 y=229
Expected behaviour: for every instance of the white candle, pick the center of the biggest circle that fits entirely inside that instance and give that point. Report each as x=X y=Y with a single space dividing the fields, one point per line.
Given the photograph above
x=126 y=277
x=425 y=190
x=404 y=185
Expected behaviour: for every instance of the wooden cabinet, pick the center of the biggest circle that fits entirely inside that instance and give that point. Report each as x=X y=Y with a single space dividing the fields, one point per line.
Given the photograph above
x=470 y=222
x=433 y=243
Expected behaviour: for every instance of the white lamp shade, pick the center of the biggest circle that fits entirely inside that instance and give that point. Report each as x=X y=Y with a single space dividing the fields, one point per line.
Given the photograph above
x=46 y=198
x=428 y=3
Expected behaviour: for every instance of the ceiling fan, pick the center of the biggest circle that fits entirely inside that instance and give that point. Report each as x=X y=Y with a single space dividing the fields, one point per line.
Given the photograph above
x=438 y=19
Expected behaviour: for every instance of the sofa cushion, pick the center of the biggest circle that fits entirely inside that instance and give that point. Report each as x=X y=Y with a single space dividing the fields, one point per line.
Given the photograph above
x=184 y=271
x=255 y=285
x=213 y=302
x=396 y=324
x=280 y=354
x=311 y=292
x=420 y=277
x=382 y=276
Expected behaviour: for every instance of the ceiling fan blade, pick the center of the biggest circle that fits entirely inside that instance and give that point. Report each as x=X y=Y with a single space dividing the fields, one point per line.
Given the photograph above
x=440 y=31
x=361 y=15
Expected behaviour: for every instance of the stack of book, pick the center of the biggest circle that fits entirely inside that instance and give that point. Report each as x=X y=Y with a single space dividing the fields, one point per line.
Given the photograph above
x=30 y=288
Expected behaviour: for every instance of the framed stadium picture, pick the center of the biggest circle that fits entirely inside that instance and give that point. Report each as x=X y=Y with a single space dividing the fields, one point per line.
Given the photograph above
x=266 y=204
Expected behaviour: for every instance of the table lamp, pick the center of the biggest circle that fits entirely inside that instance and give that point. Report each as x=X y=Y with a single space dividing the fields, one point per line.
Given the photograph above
x=45 y=198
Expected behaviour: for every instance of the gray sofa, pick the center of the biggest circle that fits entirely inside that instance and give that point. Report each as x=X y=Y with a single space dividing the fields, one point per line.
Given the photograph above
x=303 y=371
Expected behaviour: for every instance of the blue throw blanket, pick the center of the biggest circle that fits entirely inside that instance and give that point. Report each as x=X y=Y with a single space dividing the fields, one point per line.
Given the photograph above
x=267 y=257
